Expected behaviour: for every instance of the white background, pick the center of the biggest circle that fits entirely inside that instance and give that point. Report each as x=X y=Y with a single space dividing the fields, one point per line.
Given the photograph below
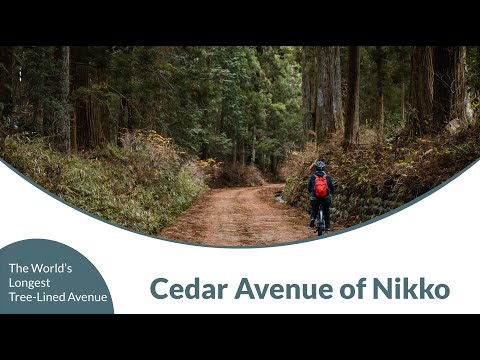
x=436 y=238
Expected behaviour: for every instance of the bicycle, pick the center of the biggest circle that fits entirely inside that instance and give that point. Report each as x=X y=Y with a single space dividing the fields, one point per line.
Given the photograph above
x=320 y=221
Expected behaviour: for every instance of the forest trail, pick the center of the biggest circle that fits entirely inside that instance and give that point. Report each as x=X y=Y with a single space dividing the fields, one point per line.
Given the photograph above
x=240 y=217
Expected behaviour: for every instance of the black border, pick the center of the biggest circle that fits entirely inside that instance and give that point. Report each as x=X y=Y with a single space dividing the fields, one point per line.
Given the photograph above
x=291 y=23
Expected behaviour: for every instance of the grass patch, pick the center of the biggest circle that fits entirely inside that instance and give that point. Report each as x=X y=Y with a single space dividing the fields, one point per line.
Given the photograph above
x=142 y=185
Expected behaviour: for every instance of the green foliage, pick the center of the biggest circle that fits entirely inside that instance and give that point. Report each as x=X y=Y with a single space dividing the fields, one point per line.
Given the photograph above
x=141 y=186
x=40 y=88
x=395 y=72
x=473 y=68
x=214 y=101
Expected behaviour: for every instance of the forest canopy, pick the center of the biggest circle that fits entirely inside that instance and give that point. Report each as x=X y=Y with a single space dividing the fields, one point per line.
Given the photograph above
x=236 y=103
x=247 y=104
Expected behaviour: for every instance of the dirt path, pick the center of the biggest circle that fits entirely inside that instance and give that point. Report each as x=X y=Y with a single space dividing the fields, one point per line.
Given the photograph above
x=239 y=217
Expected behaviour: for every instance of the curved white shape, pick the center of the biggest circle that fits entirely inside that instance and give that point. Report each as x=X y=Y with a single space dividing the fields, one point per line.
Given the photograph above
x=436 y=238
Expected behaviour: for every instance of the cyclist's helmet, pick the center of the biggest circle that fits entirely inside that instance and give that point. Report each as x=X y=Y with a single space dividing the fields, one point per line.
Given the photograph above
x=320 y=166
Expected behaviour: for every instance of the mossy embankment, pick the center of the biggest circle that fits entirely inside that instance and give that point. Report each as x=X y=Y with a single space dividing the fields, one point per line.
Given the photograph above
x=372 y=180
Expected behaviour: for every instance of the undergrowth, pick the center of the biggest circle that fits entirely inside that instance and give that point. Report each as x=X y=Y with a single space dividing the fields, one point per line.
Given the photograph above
x=220 y=174
x=391 y=174
x=142 y=185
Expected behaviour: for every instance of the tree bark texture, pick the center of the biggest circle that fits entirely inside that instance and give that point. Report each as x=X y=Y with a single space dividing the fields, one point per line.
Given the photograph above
x=448 y=86
x=329 y=101
x=89 y=110
x=6 y=100
x=352 y=119
x=421 y=118
x=402 y=101
x=380 y=57
x=322 y=91
x=56 y=122
x=309 y=89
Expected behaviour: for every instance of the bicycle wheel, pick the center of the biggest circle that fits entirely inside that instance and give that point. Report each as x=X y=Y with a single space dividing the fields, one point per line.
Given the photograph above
x=320 y=222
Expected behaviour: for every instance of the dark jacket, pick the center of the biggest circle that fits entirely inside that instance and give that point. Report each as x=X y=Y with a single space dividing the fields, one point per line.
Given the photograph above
x=311 y=185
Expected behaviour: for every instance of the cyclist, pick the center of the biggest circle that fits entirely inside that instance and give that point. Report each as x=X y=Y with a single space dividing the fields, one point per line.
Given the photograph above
x=319 y=169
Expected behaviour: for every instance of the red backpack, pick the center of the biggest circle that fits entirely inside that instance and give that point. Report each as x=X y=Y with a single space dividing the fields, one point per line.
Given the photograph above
x=321 y=186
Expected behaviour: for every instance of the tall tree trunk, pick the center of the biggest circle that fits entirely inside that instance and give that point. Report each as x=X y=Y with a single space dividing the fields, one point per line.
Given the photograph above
x=130 y=117
x=243 y=152
x=459 y=105
x=37 y=113
x=122 y=120
x=324 y=95
x=448 y=86
x=337 y=91
x=89 y=110
x=108 y=128
x=254 y=144
x=273 y=164
x=64 y=123
x=352 y=118
x=309 y=89
x=235 y=148
x=204 y=151
x=442 y=87
x=56 y=125
x=477 y=92
x=73 y=133
x=221 y=119
x=379 y=124
x=380 y=56
x=6 y=98
x=39 y=79
x=402 y=92
x=421 y=118
x=329 y=101
x=402 y=101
